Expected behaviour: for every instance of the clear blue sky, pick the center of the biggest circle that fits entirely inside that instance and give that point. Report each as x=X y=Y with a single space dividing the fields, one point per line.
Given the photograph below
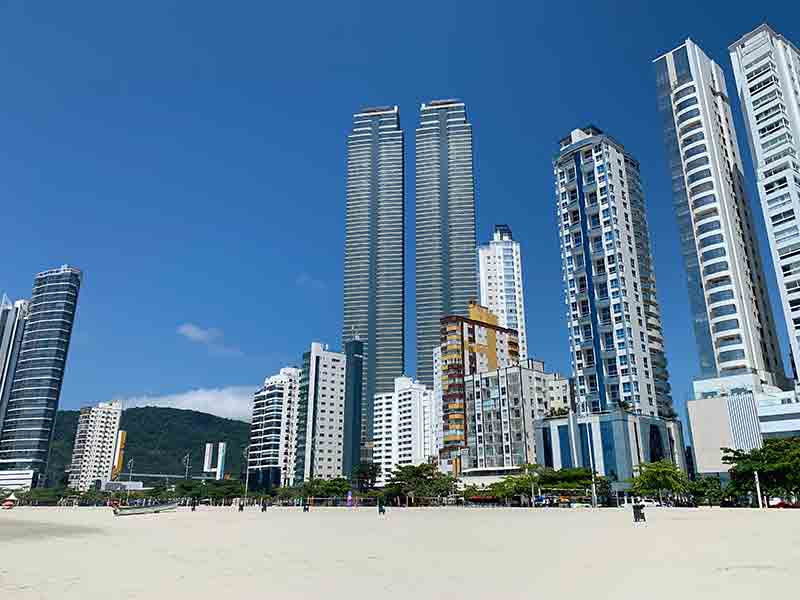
x=190 y=157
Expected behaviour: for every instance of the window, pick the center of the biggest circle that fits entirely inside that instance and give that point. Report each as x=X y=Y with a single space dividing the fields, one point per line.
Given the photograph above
x=707 y=186
x=723 y=311
x=693 y=151
x=704 y=201
x=782 y=217
x=715 y=268
x=705 y=173
x=720 y=296
x=697 y=162
x=706 y=227
x=695 y=137
x=712 y=254
x=688 y=115
x=684 y=92
x=730 y=355
x=685 y=104
x=726 y=325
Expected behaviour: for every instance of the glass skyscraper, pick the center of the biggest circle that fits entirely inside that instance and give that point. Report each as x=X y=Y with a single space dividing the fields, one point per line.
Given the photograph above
x=733 y=323
x=27 y=426
x=374 y=265
x=446 y=259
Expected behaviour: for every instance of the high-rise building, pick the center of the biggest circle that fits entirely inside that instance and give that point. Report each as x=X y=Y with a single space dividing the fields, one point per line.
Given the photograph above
x=27 y=426
x=374 y=265
x=767 y=70
x=469 y=345
x=271 y=457
x=613 y=314
x=404 y=428
x=320 y=415
x=95 y=447
x=500 y=268
x=12 y=325
x=733 y=324
x=446 y=262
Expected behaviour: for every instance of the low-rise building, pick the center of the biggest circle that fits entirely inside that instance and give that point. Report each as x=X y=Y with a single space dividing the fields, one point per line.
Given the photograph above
x=612 y=443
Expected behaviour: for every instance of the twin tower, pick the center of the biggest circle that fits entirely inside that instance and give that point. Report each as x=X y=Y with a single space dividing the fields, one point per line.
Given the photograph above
x=446 y=258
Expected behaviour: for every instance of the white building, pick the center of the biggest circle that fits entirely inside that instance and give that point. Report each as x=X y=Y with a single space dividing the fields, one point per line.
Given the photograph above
x=767 y=70
x=612 y=308
x=738 y=412
x=404 y=428
x=733 y=323
x=437 y=399
x=500 y=273
x=320 y=415
x=272 y=429
x=95 y=446
x=502 y=407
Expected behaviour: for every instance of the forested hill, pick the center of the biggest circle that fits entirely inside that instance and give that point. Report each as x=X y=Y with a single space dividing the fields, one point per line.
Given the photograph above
x=158 y=439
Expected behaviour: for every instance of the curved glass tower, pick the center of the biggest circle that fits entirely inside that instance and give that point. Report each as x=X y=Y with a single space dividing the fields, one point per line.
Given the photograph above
x=39 y=373
x=733 y=322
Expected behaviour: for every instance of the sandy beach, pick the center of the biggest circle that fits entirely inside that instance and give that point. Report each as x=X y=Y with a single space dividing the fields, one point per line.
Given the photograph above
x=87 y=554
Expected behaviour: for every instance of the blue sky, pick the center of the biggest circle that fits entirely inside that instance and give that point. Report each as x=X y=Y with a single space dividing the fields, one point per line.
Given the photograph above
x=191 y=159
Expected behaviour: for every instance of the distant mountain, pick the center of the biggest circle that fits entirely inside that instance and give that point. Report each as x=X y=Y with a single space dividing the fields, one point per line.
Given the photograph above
x=158 y=439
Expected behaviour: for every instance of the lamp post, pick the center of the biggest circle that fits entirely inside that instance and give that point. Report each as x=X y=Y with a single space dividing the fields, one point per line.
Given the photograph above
x=246 y=472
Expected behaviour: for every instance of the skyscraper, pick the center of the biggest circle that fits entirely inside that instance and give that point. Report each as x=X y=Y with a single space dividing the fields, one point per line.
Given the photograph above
x=733 y=324
x=613 y=313
x=12 y=325
x=446 y=263
x=273 y=428
x=767 y=70
x=500 y=267
x=95 y=446
x=374 y=308
x=27 y=427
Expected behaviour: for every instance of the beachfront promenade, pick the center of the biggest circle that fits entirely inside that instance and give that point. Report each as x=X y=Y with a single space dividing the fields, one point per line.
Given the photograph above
x=216 y=553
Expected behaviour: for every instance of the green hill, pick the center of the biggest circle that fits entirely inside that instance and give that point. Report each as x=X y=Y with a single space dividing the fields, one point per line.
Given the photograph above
x=158 y=439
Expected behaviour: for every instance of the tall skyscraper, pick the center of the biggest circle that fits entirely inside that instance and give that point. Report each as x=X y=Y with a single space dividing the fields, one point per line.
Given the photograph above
x=446 y=263
x=273 y=428
x=27 y=427
x=733 y=324
x=374 y=265
x=613 y=313
x=767 y=70
x=95 y=445
x=500 y=267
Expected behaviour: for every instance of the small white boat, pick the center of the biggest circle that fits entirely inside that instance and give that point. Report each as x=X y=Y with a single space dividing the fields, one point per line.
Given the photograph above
x=121 y=511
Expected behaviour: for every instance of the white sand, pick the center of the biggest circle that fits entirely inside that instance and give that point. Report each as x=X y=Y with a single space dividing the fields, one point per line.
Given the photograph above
x=88 y=554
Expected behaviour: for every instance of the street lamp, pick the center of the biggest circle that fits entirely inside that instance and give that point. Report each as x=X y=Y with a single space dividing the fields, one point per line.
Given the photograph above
x=246 y=472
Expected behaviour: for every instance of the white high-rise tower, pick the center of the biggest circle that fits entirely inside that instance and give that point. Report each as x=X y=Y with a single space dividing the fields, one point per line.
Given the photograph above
x=500 y=271
x=767 y=70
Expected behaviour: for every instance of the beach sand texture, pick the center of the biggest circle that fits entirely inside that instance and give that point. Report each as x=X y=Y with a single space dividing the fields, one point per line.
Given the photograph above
x=216 y=553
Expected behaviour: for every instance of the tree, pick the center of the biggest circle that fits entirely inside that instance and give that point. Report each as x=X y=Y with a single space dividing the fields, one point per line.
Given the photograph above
x=365 y=475
x=777 y=463
x=707 y=490
x=419 y=481
x=658 y=478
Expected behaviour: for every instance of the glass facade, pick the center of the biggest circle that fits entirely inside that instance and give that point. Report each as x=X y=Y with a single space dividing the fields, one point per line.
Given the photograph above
x=446 y=261
x=39 y=371
x=374 y=263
